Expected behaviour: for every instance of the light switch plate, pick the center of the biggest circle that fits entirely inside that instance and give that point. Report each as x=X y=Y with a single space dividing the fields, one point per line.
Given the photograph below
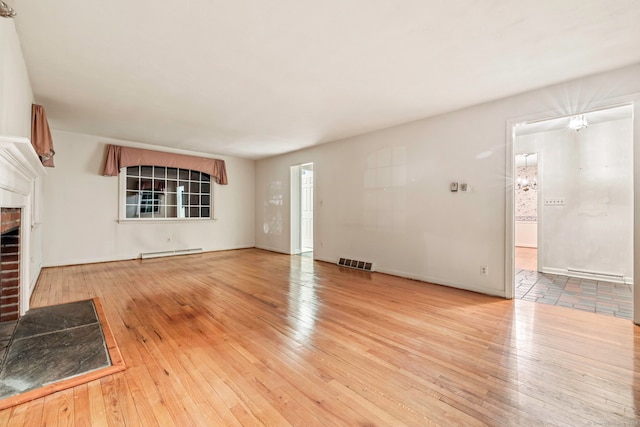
x=554 y=201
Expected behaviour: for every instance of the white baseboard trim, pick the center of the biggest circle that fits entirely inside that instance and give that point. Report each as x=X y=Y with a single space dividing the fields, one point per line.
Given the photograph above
x=271 y=249
x=34 y=281
x=437 y=281
x=61 y=263
x=32 y=286
x=493 y=292
x=94 y=260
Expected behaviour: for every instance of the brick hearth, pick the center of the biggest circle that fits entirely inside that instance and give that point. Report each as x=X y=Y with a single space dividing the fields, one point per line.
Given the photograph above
x=10 y=264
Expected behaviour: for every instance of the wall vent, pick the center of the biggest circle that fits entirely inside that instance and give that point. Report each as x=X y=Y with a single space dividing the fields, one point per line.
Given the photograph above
x=357 y=264
x=147 y=255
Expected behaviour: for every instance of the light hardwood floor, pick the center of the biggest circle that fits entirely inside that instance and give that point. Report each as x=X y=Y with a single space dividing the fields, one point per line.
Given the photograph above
x=250 y=337
x=526 y=258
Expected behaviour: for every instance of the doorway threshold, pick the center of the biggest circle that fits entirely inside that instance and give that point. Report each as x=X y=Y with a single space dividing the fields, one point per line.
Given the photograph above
x=595 y=296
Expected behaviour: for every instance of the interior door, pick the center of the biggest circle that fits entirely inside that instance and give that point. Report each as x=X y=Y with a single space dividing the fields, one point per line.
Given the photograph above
x=306 y=204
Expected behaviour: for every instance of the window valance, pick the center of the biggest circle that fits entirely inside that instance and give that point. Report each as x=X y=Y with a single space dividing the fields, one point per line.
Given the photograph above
x=119 y=157
x=41 y=135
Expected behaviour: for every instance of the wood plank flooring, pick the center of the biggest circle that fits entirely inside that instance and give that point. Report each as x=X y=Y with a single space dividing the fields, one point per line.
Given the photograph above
x=526 y=258
x=250 y=337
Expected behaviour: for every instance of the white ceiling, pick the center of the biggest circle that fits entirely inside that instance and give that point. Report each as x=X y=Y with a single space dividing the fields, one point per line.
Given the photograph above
x=254 y=78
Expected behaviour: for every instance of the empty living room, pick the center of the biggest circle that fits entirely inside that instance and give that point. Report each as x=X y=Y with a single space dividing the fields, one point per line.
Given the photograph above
x=297 y=213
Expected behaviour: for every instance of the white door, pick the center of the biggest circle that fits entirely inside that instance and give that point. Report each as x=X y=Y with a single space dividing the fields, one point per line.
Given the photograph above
x=306 y=208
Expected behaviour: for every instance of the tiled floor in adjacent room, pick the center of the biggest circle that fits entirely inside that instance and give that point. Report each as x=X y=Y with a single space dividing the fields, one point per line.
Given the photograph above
x=611 y=299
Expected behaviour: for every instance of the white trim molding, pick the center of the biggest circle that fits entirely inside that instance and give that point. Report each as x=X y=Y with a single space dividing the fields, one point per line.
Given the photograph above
x=19 y=169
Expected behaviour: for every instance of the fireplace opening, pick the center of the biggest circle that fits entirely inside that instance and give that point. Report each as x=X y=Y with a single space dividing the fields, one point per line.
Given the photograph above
x=10 y=264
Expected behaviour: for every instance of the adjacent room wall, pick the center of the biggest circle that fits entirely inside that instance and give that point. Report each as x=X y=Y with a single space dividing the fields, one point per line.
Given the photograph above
x=16 y=98
x=384 y=196
x=592 y=170
x=526 y=203
x=81 y=205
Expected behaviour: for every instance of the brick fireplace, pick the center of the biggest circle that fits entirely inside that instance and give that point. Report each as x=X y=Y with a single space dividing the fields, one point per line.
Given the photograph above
x=20 y=234
x=10 y=264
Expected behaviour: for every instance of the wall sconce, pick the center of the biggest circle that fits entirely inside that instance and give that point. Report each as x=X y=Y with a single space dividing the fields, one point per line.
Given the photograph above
x=578 y=122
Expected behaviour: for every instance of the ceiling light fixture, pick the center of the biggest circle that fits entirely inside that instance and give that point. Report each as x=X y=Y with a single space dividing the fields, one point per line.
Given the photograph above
x=578 y=122
x=6 y=11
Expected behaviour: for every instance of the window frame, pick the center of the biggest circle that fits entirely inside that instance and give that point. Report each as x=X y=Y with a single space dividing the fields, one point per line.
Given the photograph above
x=157 y=196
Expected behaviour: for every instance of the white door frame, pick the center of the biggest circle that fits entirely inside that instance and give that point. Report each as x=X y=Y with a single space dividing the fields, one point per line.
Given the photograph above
x=296 y=208
x=306 y=215
x=295 y=192
x=634 y=101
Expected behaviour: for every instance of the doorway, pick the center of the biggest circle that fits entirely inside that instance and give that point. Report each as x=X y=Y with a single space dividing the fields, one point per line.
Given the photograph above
x=306 y=208
x=526 y=211
x=302 y=190
x=573 y=215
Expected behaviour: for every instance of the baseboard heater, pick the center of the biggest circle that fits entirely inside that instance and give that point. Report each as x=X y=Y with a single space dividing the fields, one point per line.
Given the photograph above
x=595 y=273
x=357 y=264
x=147 y=255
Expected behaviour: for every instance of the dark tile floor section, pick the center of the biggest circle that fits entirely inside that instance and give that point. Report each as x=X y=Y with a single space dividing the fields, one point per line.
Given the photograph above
x=51 y=344
x=6 y=333
x=611 y=299
x=43 y=320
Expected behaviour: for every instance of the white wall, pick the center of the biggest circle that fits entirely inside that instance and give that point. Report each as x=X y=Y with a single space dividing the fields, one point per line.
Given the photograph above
x=81 y=221
x=526 y=234
x=16 y=98
x=385 y=197
x=16 y=95
x=592 y=170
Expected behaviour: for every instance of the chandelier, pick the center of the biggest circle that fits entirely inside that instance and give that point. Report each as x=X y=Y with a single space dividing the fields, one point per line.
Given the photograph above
x=523 y=183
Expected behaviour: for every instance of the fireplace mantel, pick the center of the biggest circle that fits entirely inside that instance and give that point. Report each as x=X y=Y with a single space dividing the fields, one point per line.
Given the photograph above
x=19 y=169
x=19 y=165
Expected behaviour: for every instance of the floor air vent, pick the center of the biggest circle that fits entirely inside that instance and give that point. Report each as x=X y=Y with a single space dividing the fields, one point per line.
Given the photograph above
x=354 y=263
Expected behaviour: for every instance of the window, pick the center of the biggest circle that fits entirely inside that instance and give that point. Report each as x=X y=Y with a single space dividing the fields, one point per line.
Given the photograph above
x=159 y=192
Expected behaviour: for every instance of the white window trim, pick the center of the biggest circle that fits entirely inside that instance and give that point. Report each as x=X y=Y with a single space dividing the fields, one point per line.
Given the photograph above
x=122 y=205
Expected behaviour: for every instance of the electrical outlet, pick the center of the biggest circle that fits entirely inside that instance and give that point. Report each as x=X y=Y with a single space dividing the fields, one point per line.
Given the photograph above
x=484 y=270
